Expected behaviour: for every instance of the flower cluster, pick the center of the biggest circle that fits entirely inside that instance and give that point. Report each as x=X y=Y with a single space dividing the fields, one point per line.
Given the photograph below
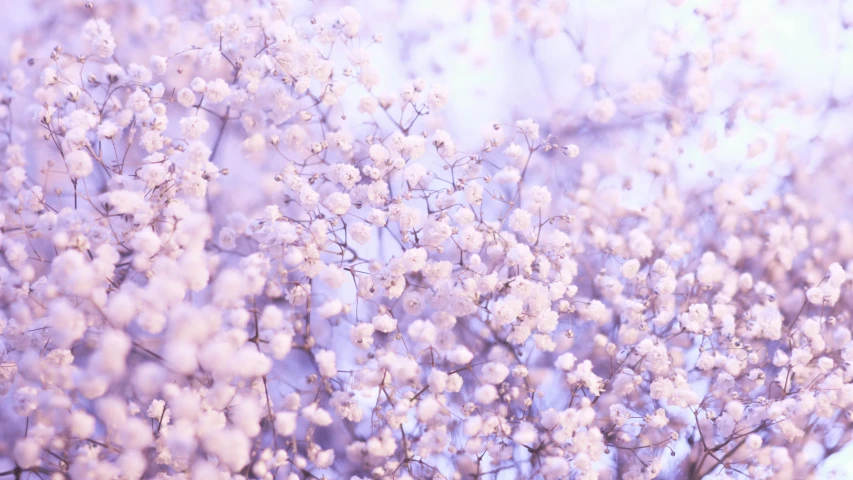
x=230 y=250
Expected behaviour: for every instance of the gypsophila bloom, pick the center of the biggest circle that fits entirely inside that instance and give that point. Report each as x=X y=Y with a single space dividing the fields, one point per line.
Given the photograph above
x=79 y=164
x=291 y=239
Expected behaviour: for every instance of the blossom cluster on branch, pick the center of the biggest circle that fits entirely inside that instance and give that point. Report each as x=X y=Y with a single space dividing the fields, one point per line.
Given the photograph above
x=229 y=249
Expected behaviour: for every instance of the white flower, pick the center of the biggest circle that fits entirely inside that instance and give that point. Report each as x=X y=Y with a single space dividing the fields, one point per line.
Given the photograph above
x=565 y=362
x=285 y=423
x=216 y=91
x=27 y=452
x=474 y=193
x=350 y=19
x=317 y=415
x=630 y=268
x=158 y=64
x=519 y=256
x=520 y=220
x=79 y=164
x=486 y=394
x=470 y=239
x=514 y=151
x=662 y=389
x=460 y=355
x=539 y=198
x=107 y=130
x=326 y=363
x=494 y=372
x=16 y=176
x=657 y=419
x=338 y=203
x=384 y=323
x=361 y=335
x=186 y=97
x=602 y=111
x=346 y=175
x=194 y=127
x=438 y=96
x=529 y=128
x=104 y=45
x=138 y=100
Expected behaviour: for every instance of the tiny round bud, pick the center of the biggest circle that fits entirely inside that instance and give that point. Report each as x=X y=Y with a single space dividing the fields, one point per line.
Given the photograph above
x=573 y=150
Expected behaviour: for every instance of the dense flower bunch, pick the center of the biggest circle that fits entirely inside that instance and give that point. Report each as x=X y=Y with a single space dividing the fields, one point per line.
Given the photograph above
x=230 y=250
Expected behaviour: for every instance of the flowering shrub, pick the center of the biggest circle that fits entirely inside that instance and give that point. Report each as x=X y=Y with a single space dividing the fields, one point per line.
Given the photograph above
x=231 y=250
